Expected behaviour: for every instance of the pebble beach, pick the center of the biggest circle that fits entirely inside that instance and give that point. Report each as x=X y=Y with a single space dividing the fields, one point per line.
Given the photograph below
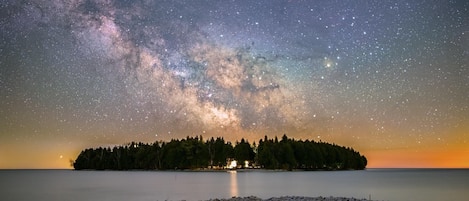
x=291 y=198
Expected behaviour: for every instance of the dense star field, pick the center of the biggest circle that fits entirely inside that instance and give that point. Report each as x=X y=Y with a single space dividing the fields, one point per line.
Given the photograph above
x=389 y=78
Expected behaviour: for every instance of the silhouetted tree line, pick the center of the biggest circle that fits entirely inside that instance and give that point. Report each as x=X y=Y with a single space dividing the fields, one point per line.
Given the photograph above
x=194 y=153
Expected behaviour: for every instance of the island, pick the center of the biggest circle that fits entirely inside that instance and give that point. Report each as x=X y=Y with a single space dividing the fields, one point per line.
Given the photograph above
x=193 y=153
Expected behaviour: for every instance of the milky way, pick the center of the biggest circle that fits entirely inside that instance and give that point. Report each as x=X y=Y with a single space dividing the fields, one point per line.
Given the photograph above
x=375 y=75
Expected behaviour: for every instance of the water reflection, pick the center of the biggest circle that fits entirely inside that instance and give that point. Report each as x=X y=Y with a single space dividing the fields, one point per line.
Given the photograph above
x=381 y=184
x=233 y=183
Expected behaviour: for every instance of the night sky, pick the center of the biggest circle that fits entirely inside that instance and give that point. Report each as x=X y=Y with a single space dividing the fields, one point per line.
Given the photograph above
x=388 y=78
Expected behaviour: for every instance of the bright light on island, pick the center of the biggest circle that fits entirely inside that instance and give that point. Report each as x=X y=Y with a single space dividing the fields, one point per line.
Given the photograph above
x=233 y=164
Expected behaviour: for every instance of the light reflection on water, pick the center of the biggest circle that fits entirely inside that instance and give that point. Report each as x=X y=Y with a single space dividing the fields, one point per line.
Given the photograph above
x=380 y=184
x=233 y=184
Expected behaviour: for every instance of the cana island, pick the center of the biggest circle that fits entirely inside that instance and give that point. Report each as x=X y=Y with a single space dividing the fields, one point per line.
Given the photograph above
x=193 y=153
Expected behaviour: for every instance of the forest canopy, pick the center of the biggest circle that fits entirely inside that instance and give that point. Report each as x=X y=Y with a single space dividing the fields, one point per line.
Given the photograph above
x=194 y=153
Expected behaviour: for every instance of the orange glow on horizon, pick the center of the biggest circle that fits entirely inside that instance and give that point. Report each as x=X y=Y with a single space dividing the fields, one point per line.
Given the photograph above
x=403 y=158
x=15 y=157
x=452 y=158
x=44 y=155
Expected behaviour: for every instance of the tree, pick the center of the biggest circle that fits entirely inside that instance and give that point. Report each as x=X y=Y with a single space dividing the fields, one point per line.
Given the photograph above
x=193 y=153
x=243 y=151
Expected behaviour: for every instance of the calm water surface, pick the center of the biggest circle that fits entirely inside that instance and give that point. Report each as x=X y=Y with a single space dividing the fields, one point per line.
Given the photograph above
x=380 y=184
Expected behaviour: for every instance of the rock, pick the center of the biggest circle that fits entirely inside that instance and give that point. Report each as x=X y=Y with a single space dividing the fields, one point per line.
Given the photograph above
x=290 y=198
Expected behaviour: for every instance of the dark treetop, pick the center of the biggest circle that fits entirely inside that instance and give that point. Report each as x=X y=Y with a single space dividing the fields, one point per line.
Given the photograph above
x=194 y=153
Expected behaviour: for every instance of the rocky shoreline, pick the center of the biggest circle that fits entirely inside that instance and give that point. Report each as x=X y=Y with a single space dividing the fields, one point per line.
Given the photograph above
x=290 y=198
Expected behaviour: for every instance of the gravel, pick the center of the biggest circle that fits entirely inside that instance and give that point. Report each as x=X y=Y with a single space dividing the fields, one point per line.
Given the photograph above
x=290 y=198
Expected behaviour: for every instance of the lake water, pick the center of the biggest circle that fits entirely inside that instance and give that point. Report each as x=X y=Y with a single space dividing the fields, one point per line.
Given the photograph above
x=380 y=184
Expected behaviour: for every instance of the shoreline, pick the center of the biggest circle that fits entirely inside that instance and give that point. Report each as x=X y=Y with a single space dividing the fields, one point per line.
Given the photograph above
x=214 y=170
x=292 y=198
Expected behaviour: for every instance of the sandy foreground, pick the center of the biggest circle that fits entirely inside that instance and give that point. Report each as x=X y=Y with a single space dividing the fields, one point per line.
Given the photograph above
x=290 y=198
